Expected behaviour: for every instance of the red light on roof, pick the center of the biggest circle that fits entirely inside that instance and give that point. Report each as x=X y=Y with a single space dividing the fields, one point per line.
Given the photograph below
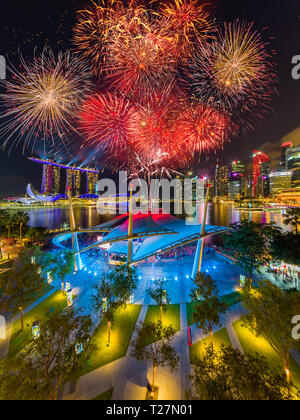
x=287 y=144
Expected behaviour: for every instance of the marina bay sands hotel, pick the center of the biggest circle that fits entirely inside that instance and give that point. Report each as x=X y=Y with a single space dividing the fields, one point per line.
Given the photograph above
x=57 y=178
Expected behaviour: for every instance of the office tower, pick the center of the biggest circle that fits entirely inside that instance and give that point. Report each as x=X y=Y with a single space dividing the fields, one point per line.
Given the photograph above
x=248 y=183
x=236 y=185
x=258 y=159
x=263 y=182
x=238 y=167
x=293 y=164
x=280 y=181
x=221 y=181
x=284 y=150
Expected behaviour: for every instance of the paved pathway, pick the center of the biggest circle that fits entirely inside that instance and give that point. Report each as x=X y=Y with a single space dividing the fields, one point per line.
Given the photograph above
x=125 y=384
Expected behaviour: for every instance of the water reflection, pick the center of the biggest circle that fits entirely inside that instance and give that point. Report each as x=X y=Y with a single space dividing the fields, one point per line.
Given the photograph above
x=86 y=217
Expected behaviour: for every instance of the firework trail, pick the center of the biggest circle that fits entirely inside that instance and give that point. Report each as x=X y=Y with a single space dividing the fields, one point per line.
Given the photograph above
x=42 y=98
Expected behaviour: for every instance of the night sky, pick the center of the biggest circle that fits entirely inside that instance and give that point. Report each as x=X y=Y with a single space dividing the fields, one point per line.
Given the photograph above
x=27 y=24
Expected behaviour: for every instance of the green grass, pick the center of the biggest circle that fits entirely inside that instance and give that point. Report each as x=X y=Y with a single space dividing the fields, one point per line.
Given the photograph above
x=19 y=339
x=252 y=344
x=219 y=338
x=231 y=299
x=171 y=315
x=121 y=333
x=105 y=396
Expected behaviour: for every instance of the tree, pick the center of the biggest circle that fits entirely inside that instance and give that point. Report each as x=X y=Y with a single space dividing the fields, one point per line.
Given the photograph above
x=10 y=224
x=208 y=305
x=125 y=282
x=22 y=219
x=292 y=217
x=159 y=294
x=22 y=281
x=247 y=240
x=104 y=300
x=19 y=381
x=36 y=234
x=231 y=375
x=60 y=263
x=269 y=314
x=4 y=215
x=160 y=352
x=52 y=359
x=286 y=247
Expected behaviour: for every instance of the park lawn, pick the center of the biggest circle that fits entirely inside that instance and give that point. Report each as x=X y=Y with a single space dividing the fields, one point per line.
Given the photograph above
x=171 y=316
x=46 y=288
x=19 y=339
x=231 y=299
x=252 y=344
x=105 y=396
x=219 y=338
x=121 y=333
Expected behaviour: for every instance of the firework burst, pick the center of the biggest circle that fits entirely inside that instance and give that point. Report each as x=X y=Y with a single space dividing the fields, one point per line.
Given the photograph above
x=141 y=54
x=105 y=123
x=93 y=28
x=42 y=98
x=189 y=18
x=154 y=129
x=202 y=129
x=234 y=73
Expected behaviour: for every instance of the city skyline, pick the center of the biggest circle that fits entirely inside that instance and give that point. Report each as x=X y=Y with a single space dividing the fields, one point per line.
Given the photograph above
x=282 y=122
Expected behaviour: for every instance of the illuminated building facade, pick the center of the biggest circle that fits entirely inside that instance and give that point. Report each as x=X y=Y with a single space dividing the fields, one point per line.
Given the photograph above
x=236 y=184
x=91 y=182
x=293 y=164
x=47 y=179
x=284 y=152
x=56 y=175
x=258 y=159
x=52 y=178
x=263 y=187
x=280 y=181
x=221 y=181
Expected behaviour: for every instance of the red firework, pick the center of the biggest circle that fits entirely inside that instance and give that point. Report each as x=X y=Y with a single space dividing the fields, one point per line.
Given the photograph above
x=153 y=129
x=203 y=129
x=105 y=122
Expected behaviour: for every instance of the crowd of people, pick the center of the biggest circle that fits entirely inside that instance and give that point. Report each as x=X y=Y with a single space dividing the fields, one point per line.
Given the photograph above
x=288 y=274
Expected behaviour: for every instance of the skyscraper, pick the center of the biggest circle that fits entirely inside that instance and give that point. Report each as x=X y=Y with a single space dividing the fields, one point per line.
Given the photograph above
x=221 y=181
x=280 y=181
x=236 y=186
x=284 y=150
x=263 y=181
x=293 y=164
x=258 y=159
